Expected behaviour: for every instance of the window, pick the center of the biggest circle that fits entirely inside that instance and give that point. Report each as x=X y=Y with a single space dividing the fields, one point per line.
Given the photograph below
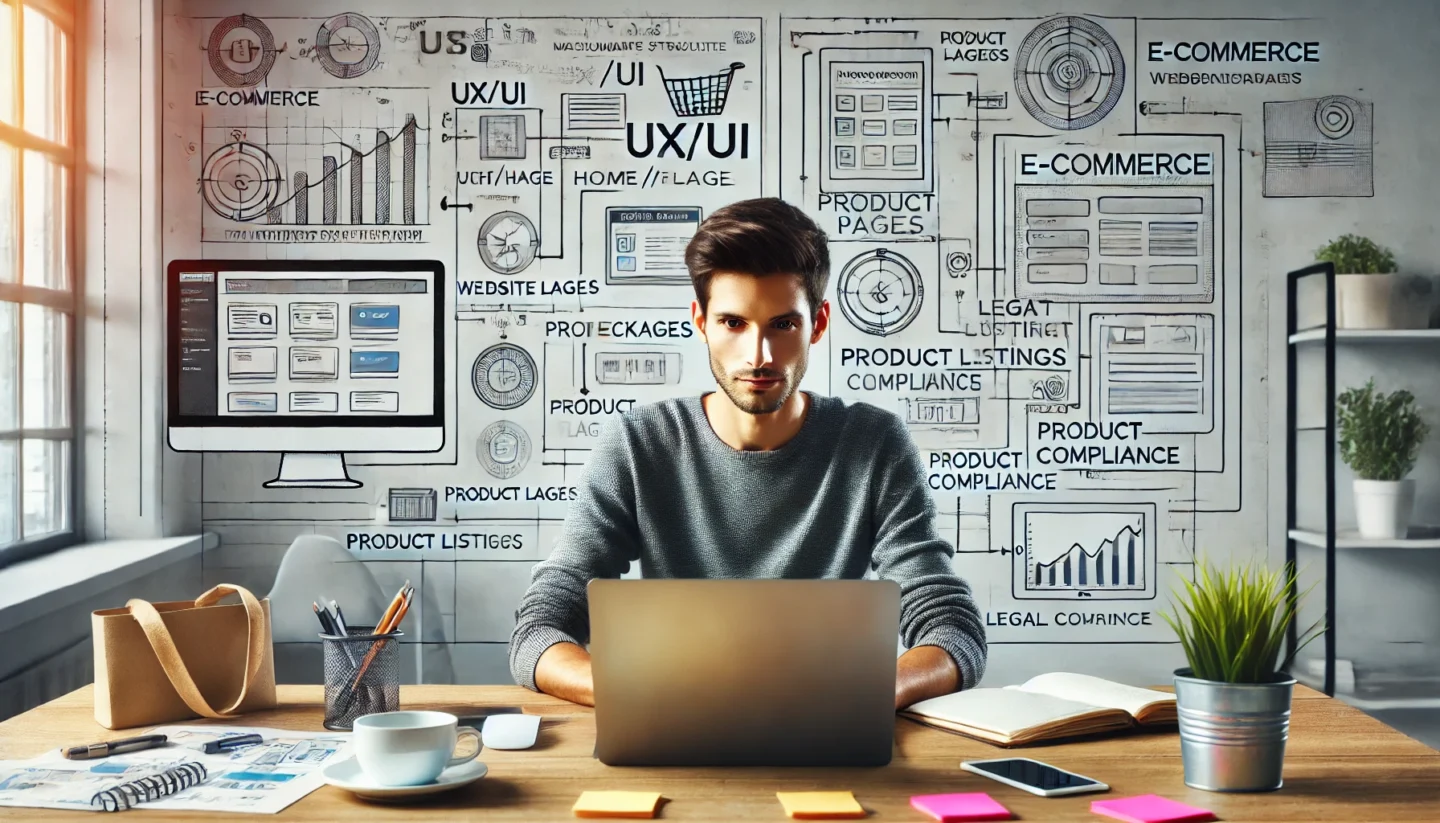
x=37 y=277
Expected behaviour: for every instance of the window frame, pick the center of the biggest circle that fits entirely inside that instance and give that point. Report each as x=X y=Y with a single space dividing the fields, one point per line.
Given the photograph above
x=64 y=16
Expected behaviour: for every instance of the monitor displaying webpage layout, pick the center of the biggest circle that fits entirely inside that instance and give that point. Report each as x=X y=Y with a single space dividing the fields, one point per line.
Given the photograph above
x=329 y=344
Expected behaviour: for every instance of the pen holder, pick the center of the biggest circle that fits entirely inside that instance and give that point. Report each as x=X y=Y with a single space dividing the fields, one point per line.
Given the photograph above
x=362 y=675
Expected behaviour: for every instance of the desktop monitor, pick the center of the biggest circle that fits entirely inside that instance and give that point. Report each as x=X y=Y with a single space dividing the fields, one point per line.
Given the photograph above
x=310 y=359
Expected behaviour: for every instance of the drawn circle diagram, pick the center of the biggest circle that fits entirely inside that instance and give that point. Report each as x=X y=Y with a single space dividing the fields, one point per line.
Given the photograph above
x=230 y=56
x=347 y=45
x=1051 y=387
x=503 y=449
x=957 y=263
x=504 y=376
x=508 y=242
x=1335 y=116
x=241 y=181
x=1069 y=73
x=880 y=292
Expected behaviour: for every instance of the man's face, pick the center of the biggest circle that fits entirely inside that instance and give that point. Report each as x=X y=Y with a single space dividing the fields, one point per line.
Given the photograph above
x=759 y=333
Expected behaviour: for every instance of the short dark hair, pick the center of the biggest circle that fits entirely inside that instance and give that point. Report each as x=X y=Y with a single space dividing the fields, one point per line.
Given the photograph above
x=759 y=237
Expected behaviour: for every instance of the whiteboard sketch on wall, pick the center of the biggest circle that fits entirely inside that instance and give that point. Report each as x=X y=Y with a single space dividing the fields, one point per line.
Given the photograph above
x=1069 y=72
x=1079 y=550
x=276 y=176
x=1321 y=147
x=241 y=50
x=555 y=166
x=1046 y=294
x=1035 y=226
x=347 y=45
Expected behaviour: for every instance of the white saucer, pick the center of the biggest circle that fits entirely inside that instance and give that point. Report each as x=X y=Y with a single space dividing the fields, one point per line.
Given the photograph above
x=348 y=775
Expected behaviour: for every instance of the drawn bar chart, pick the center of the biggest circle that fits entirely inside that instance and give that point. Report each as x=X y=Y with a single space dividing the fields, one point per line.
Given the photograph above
x=379 y=211
x=1073 y=550
x=1070 y=570
x=334 y=172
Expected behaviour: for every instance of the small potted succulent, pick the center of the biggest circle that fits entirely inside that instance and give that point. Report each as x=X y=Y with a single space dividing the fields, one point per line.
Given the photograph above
x=1234 y=697
x=1380 y=436
x=1364 y=282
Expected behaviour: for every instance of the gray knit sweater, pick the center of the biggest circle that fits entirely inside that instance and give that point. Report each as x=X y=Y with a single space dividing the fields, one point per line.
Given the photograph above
x=844 y=496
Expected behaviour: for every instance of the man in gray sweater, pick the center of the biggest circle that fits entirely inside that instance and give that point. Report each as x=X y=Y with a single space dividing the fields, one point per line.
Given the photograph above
x=757 y=480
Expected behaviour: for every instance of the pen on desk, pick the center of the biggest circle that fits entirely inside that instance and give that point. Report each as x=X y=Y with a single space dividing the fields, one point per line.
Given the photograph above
x=129 y=744
x=226 y=744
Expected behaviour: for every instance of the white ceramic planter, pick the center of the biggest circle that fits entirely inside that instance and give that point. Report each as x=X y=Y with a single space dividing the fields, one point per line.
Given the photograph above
x=1383 y=508
x=1362 y=301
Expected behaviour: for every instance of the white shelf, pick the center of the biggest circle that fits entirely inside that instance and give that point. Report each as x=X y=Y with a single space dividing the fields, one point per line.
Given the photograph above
x=1378 y=691
x=1368 y=335
x=1422 y=537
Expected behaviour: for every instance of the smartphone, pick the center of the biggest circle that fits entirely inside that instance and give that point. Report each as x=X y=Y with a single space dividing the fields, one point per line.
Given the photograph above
x=1034 y=777
x=476 y=718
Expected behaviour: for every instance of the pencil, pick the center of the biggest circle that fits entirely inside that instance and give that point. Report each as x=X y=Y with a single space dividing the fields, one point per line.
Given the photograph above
x=388 y=624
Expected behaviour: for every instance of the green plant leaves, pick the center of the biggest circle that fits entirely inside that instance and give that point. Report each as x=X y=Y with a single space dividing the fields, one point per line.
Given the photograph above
x=1353 y=254
x=1232 y=623
x=1380 y=434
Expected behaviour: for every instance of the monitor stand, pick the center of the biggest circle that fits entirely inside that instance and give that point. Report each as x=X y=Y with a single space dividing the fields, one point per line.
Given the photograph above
x=307 y=470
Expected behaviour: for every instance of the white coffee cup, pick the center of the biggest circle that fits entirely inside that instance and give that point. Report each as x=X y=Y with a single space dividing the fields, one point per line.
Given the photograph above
x=409 y=748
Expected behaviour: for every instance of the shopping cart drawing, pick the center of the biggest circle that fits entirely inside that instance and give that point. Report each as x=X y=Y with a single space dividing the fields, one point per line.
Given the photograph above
x=699 y=96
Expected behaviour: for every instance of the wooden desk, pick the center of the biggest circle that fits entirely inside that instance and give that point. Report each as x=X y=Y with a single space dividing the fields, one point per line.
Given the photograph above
x=1340 y=765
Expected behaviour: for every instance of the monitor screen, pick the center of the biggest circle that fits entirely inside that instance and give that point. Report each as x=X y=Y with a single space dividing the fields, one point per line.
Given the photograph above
x=296 y=343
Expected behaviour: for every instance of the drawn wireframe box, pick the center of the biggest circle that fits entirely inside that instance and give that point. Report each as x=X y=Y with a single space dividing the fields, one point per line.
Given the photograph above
x=1095 y=551
x=887 y=148
x=502 y=137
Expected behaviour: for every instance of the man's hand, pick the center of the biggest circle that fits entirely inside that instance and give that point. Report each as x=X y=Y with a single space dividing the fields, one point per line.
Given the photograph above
x=563 y=671
x=921 y=673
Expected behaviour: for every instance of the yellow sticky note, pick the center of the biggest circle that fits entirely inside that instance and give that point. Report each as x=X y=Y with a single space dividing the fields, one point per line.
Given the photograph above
x=616 y=804
x=820 y=805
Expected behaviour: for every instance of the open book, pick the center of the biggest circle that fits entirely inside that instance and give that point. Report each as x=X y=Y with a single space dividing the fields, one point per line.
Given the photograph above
x=1045 y=707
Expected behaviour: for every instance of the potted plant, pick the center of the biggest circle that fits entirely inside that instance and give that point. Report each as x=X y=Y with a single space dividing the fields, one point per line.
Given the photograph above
x=1233 y=699
x=1363 y=281
x=1380 y=436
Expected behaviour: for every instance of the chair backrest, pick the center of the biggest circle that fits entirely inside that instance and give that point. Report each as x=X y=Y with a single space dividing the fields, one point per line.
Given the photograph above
x=314 y=566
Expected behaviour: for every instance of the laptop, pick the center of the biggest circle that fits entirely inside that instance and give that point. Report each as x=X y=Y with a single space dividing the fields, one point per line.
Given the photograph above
x=744 y=672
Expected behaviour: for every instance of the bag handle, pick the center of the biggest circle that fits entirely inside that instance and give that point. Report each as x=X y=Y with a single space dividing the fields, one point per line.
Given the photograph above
x=169 y=656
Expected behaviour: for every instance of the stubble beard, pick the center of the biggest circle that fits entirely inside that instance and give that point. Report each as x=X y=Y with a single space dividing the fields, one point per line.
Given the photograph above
x=745 y=398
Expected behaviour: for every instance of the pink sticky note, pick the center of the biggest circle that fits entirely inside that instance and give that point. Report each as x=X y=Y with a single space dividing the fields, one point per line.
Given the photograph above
x=1150 y=808
x=953 y=808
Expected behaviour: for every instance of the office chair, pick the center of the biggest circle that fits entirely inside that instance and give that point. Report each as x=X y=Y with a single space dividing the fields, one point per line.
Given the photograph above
x=313 y=566
x=317 y=565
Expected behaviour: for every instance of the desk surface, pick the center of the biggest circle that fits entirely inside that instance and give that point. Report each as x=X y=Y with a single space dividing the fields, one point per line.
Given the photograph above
x=1340 y=765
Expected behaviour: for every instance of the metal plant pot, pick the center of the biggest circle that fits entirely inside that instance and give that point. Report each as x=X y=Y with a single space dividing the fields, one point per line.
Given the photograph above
x=1232 y=735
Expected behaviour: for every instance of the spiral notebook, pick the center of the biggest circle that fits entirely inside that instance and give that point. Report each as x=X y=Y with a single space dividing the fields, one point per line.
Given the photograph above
x=261 y=779
x=99 y=786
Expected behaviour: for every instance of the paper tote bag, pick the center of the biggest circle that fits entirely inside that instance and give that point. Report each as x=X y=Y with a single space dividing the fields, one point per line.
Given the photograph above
x=161 y=662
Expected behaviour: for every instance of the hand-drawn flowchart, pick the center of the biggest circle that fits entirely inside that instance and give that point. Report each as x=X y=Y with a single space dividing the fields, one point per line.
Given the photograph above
x=1035 y=229
x=1040 y=268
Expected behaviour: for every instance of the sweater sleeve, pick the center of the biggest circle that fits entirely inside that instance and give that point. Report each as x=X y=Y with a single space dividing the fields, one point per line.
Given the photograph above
x=936 y=605
x=599 y=539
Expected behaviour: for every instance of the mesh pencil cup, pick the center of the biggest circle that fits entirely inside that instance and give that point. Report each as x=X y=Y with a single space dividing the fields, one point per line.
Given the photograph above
x=362 y=675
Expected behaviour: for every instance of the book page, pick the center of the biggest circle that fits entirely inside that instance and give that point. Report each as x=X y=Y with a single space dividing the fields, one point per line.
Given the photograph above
x=1095 y=690
x=1003 y=711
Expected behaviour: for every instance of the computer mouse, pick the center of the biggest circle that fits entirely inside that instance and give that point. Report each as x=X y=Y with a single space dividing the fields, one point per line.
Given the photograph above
x=510 y=731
